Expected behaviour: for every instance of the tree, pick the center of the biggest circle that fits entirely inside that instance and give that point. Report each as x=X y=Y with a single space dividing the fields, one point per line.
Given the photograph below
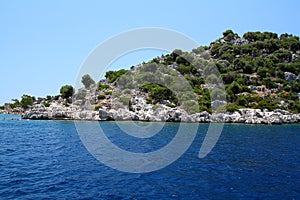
x=66 y=91
x=16 y=103
x=235 y=87
x=112 y=76
x=199 y=50
x=228 y=35
x=87 y=81
x=229 y=77
x=176 y=53
x=27 y=101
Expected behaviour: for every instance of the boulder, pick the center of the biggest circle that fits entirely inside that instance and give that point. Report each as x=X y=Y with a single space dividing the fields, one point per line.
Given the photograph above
x=288 y=76
x=103 y=115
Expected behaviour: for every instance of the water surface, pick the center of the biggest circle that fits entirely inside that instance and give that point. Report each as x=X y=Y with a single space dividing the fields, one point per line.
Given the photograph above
x=46 y=159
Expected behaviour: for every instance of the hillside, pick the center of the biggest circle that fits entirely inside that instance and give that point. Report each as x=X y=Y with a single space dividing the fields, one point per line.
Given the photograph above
x=259 y=70
x=256 y=71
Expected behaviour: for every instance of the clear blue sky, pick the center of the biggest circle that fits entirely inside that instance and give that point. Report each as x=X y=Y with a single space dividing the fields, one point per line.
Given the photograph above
x=43 y=43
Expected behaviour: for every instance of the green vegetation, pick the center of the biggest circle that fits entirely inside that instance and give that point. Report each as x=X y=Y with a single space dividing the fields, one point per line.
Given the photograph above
x=66 y=91
x=80 y=95
x=261 y=61
x=158 y=93
x=97 y=108
x=87 y=81
x=204 y=100
x=254 y=70
x=125 y=101
x=27 y=101
x=47 y=103
x=103 y=87
x=101 y=97
x=112 y=76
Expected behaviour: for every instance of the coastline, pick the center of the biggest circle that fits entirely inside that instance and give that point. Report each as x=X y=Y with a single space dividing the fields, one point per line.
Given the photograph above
x=163 y=114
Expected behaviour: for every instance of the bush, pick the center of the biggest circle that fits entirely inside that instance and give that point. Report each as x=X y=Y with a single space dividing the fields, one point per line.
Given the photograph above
x=27 y=101
x=242 y=101
x=101 y=97
x=97 y=108
x=191 y=106
x=112 y=76
x=170 y=105
x=125 y=101
x=204 y=101
x=145 y=77
x=267 y=103
x=66 y=91
x=126 y=91
x=47 y=103
x=232 y=107
x=229 y=77
x=195 y=81
x=199 y=50
x=103 y=87
x=149 y=67
x=228 y=35
x=87 y=81
x=283 y=55
x=235 y=88
x=159 y=93
x=295 y=86
x=80 y=95
x=189 y=69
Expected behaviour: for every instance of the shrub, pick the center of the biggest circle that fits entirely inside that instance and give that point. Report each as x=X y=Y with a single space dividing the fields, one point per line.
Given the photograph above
x=97 y=108
x=87 y=81
x=103 y=87
x=267 y=103
x=159 y=93
x=112 y=76
x=66 y=91
x=101 y=97
x=229 y=77
x=126 y=91
x=232 y=107
x=235 y=88
x=27 y=101
x=189 y=69
x=80 y=95
x=190 y=106
x=47 y=103
x=124 y=100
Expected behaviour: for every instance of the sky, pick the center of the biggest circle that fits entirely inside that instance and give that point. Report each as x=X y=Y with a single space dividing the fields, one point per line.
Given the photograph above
x=44 y=43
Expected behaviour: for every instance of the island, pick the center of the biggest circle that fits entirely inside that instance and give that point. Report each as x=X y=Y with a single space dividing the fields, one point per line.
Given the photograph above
x=251 y=79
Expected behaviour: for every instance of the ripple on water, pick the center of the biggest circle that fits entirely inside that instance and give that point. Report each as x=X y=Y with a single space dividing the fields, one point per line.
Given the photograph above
x=45 y=159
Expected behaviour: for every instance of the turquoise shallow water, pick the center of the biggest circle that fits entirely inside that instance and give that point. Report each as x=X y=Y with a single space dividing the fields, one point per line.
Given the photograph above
x=46 y=159
x=10 y=117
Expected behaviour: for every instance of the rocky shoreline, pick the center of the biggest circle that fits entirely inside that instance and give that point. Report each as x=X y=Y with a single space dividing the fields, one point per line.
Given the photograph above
x=161 y=114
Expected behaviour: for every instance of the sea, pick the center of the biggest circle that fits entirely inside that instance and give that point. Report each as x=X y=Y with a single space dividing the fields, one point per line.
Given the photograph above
x=49 y=160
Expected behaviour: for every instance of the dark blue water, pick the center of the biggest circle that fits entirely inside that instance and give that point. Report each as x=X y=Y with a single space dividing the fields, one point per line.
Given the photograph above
x=46 y=160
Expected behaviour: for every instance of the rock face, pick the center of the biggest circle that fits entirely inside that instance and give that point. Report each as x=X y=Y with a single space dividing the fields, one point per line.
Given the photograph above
x=288 y=76
x=57 y=111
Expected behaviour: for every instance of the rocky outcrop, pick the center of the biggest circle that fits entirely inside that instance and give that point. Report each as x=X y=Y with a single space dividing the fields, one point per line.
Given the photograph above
x=289 y=77
x=58 y=111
